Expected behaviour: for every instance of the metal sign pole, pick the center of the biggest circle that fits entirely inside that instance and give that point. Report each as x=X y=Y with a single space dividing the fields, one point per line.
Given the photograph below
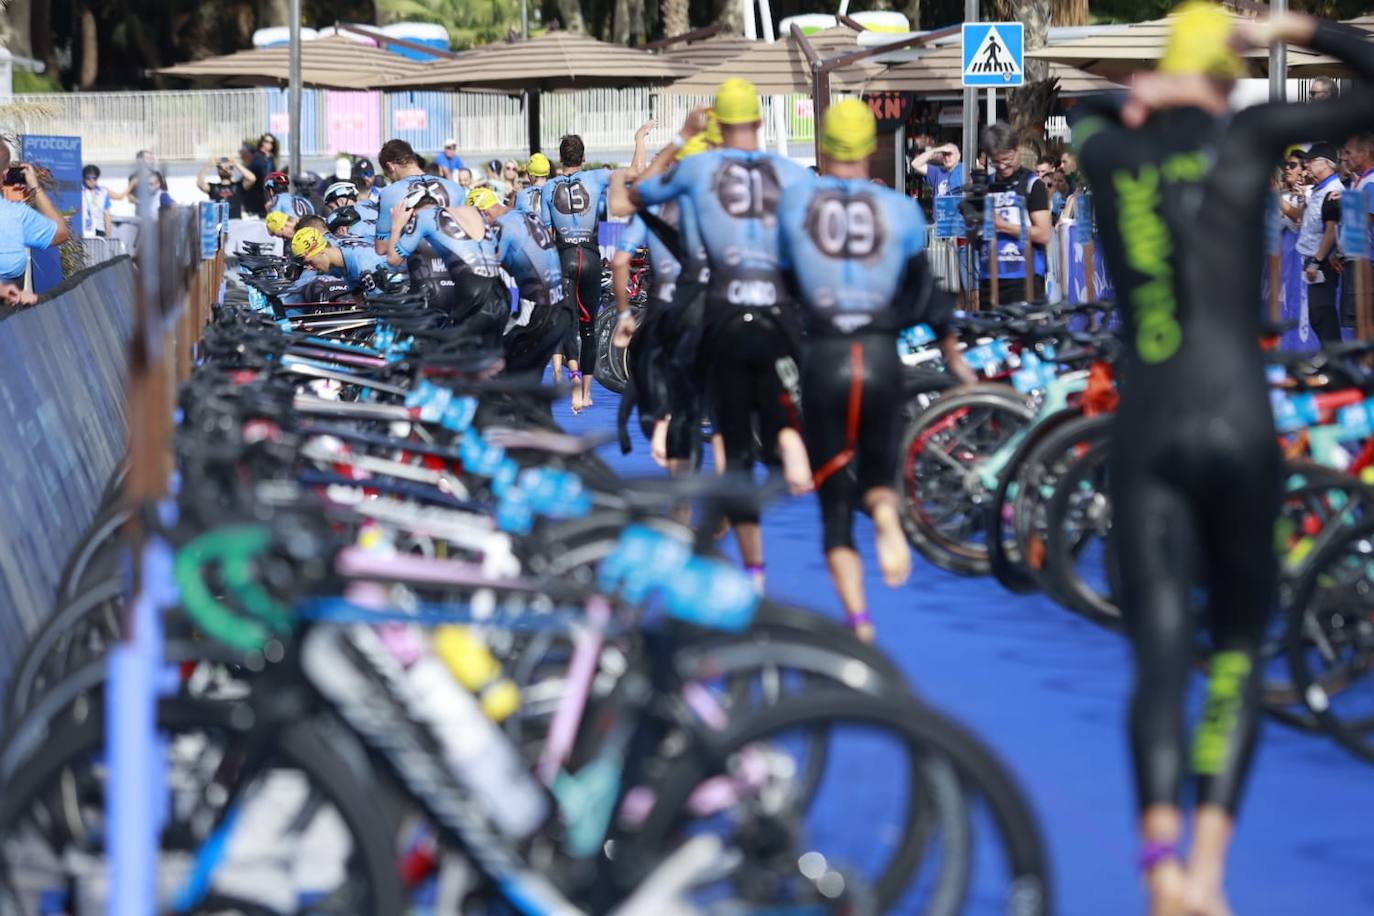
x=295 y=91
x=1278 y=60
x=970 y=158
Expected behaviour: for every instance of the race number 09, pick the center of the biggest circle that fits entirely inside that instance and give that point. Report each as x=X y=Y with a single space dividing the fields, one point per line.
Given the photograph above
x=841 y=228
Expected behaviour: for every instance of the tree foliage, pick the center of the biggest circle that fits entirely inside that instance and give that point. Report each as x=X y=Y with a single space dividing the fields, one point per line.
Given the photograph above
x=128 y=38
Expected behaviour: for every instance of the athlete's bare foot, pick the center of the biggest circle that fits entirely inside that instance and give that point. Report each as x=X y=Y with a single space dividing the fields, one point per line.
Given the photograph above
x=894 y=554
x=864 y=631
x=658 y=445
x=1206 y=897
x=1167 y=884
x=796 y=467
x=577 y=402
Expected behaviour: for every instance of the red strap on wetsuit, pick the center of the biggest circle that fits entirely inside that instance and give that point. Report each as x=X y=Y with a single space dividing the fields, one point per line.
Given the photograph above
x=851 y=426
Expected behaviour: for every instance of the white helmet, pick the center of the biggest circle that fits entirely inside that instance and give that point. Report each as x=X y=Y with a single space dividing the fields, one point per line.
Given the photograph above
x=340 y=189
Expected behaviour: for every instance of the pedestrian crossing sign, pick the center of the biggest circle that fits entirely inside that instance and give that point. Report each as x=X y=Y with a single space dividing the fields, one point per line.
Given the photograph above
x=994 y=54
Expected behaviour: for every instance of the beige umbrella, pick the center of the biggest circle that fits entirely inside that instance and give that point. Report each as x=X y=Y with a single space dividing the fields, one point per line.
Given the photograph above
x=557 y=60
x=1120 y=53
x=938 y=71
x=335 y=62
x=710 y=52
x=780 y=68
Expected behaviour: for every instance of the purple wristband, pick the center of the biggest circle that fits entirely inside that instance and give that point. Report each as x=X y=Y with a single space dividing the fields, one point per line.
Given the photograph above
x=1154 y=853
x=854 y=621
x=753 y=569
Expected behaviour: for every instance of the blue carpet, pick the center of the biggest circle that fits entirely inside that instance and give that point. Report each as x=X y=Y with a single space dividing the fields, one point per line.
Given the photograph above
x=1047 y=691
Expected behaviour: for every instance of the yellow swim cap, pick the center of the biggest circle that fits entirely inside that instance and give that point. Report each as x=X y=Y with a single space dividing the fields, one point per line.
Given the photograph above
x=1199 y=42
x=276 y=221
x=539 y=165
x=697 y=144
x=482 y=198
x=308 y=242
x=849 y=132
x=713 y=136
x=737 y=102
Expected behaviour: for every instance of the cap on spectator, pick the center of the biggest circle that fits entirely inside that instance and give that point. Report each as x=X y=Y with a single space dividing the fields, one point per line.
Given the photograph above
x=482 y=198
x=539 y=166
x=276 y=220
x=1322 y=150
x=849 y=132
x=450 y=142
x=307 y=243
x=737 y=102
x=363 y=167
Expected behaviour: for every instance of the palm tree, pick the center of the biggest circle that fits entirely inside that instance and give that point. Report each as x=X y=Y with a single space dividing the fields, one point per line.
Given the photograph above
x=676 y=17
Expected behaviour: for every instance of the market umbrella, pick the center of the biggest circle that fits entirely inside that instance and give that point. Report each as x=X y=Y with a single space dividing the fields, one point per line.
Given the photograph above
x=1120 y=53
x=709 y=52
x=335 y=63
x=780 y=68
x=939 y=70
x=556 y=60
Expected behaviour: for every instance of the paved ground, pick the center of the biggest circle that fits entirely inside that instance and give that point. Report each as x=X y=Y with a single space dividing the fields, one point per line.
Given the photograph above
x=1047 y=691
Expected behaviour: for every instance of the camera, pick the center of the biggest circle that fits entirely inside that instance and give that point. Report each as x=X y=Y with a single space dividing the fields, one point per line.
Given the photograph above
x=975 y=193
x=15 y=175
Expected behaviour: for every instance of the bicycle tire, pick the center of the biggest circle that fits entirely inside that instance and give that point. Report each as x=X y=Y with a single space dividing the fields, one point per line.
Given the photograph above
x=1028 y=890
x=962 y=555
x=1061 y=579
x=1020 y=493
x=301 y=745
x=1356 y=736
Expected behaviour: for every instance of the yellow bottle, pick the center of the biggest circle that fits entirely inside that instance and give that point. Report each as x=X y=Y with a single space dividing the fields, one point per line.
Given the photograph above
x=471 y=663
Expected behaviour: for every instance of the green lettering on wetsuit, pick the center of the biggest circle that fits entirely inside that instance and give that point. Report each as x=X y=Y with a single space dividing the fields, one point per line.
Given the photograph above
x=1225 y=686
x=1148 y=248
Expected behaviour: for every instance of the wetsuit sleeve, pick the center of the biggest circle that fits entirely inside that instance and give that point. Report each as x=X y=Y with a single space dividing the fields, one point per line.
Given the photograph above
x=1274 y=126
x=546 y=196
x=407 y=242
x=635 y=236
x=666 y=186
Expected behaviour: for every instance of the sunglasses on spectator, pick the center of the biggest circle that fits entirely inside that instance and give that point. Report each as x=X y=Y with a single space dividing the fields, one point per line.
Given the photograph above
x=1292 y=165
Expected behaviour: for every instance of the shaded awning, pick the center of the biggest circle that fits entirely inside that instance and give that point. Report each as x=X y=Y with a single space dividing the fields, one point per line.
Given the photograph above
x=1140 y=47
x=779 y=68
x=939 y=71
x=335 y=62
x=557 y=60
x=709 y=52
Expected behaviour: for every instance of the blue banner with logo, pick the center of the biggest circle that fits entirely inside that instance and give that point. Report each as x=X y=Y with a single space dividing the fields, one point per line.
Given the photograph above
x=949 y=220
x=210 y=227
x=62 y=157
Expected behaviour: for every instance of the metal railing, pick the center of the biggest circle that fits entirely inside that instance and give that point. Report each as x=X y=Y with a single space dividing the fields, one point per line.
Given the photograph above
x=196 y=125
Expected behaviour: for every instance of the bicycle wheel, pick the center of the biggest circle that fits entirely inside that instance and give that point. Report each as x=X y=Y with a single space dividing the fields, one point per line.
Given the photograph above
x=1077 y=569
x=943 y=501
x=789 y=850
x=306 y=832
x=1330 y=640
x=1016 y=516
x=82 y=629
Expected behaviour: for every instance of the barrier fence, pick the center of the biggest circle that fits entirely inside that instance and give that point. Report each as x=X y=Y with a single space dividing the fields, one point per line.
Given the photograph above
x=197 y=125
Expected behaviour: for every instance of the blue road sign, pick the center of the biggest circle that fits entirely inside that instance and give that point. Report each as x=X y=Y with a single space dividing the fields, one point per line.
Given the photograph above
x=994 y=54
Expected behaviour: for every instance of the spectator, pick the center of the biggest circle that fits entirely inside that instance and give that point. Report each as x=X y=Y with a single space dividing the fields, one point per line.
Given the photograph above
x=941 y=169
x=23 y=226
x=432 y=168
x=449 y=160
x=1068 y=164
x=493 y=179
x=264 y=163
x=159 y=188
x=510 y=176
x=1321 y=89
x=1044 y=168
x=227 y=184
x=1012 y=187
x=365 y=177
x=1293 y=196
x=1317 y=242
x=464 y=178
x=1358 y=153
x=144 y=158
x=1059 y=193
x=253 y=200
x=95 y=206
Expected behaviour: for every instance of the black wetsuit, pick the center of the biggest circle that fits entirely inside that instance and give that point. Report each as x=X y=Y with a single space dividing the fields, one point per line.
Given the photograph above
x=1195 y=470
x=854 y=257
